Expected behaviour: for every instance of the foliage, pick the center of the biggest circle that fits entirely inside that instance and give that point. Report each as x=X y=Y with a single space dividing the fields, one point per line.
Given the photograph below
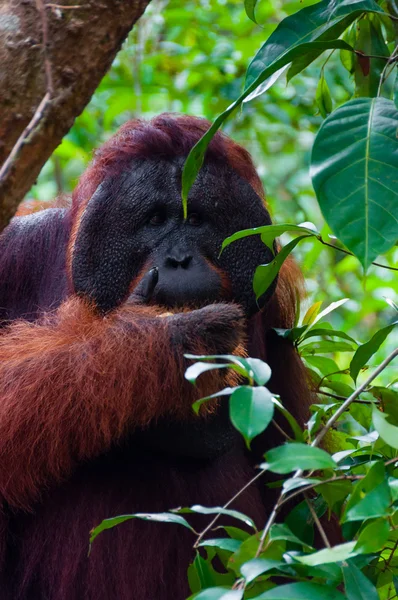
x=193 y=59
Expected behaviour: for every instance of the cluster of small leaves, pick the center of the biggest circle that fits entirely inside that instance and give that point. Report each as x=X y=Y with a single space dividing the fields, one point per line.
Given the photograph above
x=353 y=164
x=352 y=479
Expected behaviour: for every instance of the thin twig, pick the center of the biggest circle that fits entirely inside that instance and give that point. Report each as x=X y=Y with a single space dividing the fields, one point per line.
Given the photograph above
x=376 y=264
x=392 y=59
x=353 y=397
x=312 y=486
x=317 y=522
x=213 y=521
x=281 y=431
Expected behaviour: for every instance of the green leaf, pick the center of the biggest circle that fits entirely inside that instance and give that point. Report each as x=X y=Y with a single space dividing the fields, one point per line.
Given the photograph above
x=396 y=90
x=370 y=42
x=348 y=58
x=357 y=586
x=268 y=233
x=366 y=351
x=387 y=432
x=328 y=333
x=311 y=313
x=373 y=537
x=204 y=572
x=216 y=510
x=251 y=410
x=353 y=171
x=371 y=496
x=323 y=97
x=223 y=543
x=218 y=593
x=157 y=517
x=198 y=403
x=310 y=29
x=265 y=274
x=252 y=368
x=332 y=306
x=300 y=591
x=280 y=531
x=193 y=372
x=329 y=555
x=258 y=566
x=291 y=457
x=250 y=6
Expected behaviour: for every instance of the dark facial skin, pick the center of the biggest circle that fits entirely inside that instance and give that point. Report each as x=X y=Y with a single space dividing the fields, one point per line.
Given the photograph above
x=134 y=222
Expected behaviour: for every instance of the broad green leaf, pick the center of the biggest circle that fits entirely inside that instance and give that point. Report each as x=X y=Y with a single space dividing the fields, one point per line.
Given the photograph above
x=354 y=170
x=280 y=531
x=373 y=537
x=310 y=29
x=258 y=566
x=387 y=431
x=329 y=555
x=223 y=543
x=204 y=572
x=311 y=313
x=301 y=591
x=218 y=593
x=366 y=351
x=357 y=585
x=250 y=6
x=370 y=42
x=251 y=410
x=323 y=97
x=291 y=457
x=268 y=233
x=396 y=90
x=265 y=274
x=371 y=496
x=216 y=510
x=157 y=517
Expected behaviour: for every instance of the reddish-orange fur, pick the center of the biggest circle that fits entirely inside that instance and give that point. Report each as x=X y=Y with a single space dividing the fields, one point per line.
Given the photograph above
x=75 y=382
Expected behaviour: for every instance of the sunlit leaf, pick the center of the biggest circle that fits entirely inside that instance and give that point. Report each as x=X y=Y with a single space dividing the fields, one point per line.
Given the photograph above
x=387 y=431
x=291 y=457
x=250 y=6
x=373 y=537
x=353 y=171
x=329 y=555
x=269 y=233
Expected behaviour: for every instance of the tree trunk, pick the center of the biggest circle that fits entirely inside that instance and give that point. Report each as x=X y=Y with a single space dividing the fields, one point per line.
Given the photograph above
x=52 y=57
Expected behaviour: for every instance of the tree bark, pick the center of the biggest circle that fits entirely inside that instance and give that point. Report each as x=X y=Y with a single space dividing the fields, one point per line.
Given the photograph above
x=52 y=57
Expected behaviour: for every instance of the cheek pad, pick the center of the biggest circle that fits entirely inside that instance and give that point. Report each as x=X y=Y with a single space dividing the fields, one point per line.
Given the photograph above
x=103 y=260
